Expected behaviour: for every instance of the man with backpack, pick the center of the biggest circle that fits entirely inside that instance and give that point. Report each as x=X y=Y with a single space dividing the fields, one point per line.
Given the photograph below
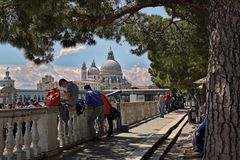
x=71 y=93
x=95 y=104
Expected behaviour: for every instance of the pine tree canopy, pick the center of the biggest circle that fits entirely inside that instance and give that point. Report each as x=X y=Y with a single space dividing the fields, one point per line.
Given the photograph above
x=35 y=26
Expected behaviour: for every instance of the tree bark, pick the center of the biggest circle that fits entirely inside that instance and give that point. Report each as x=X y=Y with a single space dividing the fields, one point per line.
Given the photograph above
x=222 y=140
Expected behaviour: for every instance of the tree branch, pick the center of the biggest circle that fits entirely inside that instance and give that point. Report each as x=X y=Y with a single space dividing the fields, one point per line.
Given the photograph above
x=134 y=7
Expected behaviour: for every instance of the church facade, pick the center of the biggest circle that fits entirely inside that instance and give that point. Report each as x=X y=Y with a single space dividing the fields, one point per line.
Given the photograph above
x=109 y=76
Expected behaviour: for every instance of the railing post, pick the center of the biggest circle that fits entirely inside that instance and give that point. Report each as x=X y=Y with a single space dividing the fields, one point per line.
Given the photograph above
x=75 y=129
x=48 y=131
x=10 y=139
x=70 y=130
x=19 y=141
x=28 y=140
x=35 y=137
x=60 y=132
x=65 y=133
x=79 y=128
x=2 y=143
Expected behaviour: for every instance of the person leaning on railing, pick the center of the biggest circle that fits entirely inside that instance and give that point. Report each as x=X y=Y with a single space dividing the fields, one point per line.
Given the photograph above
x=95 y=104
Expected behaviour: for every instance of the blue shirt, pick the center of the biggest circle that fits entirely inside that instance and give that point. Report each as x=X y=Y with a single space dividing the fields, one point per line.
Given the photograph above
x=93 y=98
x=202 y=126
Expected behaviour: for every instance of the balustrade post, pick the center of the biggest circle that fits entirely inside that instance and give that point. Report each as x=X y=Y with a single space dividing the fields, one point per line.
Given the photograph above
x=60 y=133
x=65 y=133
x=35 y=137
x=70 y=130
x=48 y=134
x=85 y=122
x=2 y=143
x=10 y=140
x=28 y=140
x=75 y=129
x=19 y=140
x=84 y=125
x=79 y=128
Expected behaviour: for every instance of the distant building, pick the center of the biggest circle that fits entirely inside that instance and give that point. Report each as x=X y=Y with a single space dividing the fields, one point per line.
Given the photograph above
x=152 y=86
x=109 y=76
x=47 y=83
x=7 y=89
x=93 y=83
x=7 y=81
x=25 y=95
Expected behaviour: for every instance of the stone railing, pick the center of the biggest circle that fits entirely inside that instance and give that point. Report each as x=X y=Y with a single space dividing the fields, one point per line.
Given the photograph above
x=138 y=111
x=19 y=133
x=38 y=132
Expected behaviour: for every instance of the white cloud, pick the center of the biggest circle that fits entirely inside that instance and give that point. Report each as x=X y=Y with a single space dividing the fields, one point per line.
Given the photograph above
x=27 y=76
x=138 y=76
x=68 y=51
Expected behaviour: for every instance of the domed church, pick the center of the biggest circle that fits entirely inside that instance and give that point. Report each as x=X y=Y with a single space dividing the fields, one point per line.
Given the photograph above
x=110 y=73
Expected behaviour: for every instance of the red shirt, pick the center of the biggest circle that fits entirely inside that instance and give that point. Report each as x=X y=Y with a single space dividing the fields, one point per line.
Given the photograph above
x=107 y=104
x=167 y=98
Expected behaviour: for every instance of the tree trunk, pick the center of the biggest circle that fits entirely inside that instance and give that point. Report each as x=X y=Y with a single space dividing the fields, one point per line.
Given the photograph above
x=222 y=140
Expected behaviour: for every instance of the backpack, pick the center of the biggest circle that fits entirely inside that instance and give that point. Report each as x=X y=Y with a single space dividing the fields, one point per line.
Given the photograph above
x=114 y=113
x=80 y=106
x=52 y=98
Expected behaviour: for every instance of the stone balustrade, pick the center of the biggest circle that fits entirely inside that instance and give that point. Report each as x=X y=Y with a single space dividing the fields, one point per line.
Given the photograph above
x=138 y=111
x=38 y=132
x=19 y=133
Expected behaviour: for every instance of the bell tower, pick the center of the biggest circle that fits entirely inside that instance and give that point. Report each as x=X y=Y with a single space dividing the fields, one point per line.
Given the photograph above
x=84 y=71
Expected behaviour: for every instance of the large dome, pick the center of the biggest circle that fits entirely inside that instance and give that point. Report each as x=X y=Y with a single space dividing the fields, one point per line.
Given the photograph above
x=111 y=65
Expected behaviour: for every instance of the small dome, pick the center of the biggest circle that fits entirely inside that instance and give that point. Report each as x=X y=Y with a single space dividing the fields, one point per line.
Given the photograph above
x=111 y=65
x=93 y=70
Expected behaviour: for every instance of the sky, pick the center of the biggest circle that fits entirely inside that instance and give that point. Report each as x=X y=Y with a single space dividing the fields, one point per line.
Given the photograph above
x=67 y=61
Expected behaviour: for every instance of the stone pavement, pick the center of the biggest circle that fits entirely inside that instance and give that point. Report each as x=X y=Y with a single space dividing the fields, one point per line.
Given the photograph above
x=182 y=149
x=122 y=144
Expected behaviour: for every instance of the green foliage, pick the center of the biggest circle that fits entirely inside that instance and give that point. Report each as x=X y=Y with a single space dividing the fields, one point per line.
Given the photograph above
x=177 y=48
x=102 y=87
x=36 y=26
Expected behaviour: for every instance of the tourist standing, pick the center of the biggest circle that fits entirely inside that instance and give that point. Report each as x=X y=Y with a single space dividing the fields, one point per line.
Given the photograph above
x=71 y=92
x=161 y=105
x=95 y=104
x=19 y=105
x=167 y=99
x=31 y=105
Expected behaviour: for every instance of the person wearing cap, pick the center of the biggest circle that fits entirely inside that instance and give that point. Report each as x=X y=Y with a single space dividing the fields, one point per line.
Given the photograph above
x=95 y=104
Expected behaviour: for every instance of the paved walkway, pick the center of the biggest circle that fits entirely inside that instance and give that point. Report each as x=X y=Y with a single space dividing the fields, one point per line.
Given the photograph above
x=182 y=149
x=122 y=144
